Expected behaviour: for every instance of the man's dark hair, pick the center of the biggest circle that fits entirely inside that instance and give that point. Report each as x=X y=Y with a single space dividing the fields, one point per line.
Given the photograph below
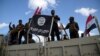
x=71 y=19
x=52 y=12
x=20 y=20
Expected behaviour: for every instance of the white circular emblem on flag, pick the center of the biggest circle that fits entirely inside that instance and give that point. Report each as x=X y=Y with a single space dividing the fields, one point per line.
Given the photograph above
x=41 y=21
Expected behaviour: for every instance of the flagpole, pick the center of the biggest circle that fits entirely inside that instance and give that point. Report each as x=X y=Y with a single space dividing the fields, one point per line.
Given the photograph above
x=64 y=31
x=51 y=26
x=97 y=24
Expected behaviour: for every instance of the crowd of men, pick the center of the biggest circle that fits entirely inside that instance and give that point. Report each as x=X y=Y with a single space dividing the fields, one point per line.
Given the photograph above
x=16 y=32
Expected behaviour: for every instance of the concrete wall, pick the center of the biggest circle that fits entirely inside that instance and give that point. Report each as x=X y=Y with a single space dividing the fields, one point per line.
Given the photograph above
x=88 y=46
x=23 y=50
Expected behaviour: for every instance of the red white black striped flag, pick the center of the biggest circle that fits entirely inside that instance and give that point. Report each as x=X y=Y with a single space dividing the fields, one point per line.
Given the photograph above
x=90 y=24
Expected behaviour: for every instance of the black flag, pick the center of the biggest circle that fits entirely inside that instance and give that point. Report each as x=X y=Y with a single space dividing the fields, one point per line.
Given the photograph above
x=41 y=24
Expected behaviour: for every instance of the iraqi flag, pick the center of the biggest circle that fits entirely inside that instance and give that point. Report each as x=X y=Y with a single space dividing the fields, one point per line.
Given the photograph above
x=90 y=24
